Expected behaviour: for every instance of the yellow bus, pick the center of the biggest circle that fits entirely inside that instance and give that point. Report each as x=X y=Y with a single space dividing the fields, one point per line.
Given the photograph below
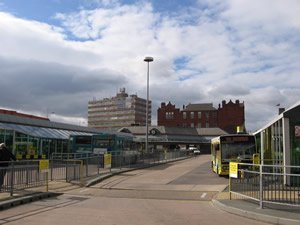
x=234 y=148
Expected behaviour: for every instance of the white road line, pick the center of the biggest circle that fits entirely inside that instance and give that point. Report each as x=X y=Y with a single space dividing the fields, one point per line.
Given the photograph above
x=203 y=195
x=86 y=189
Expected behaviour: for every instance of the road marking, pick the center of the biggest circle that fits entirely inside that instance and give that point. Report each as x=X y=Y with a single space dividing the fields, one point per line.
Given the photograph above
x=203 y=195
x=86 y=189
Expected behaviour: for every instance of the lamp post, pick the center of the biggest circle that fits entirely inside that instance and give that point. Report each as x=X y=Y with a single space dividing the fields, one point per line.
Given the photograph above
x=147 y=59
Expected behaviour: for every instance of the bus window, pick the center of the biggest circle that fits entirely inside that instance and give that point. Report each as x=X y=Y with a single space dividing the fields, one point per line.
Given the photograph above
x=239 y=151
x=231 y=148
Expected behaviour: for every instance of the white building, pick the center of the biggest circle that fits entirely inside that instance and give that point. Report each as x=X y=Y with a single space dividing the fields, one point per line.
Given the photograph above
x=117 y=112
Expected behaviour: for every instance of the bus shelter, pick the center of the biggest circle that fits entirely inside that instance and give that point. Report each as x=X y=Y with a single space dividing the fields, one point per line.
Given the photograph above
x=279 y=142
x=31 y=142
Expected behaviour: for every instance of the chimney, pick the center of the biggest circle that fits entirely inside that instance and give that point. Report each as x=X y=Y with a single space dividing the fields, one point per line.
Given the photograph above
x=281 y=110
x=223 y=103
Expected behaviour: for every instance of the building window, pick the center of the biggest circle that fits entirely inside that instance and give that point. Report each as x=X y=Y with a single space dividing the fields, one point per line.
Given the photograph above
x=192 y=125
x=214 y=115
x=192 y=115
x=184 y=115
x=199 y=125
x=199 y=115
x=207 y=125
x=169 y=115
x=207 y=115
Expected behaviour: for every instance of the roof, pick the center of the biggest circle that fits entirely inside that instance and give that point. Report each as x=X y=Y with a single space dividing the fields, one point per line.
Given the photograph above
x=174 y=134
x=162 y=130
x=44 y=123
x=45 y=128
x=200 y=107
x=176 y=131
x=216 y=131
x=171 y=138
x=141 y=129
x=181 y=131
x=280 y=116
x=42 y=132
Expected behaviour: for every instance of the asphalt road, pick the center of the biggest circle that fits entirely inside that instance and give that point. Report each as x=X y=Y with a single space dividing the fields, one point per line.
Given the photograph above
x=177 y=193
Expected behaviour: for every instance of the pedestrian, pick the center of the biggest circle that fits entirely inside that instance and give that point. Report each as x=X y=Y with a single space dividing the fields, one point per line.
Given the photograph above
x=5 y=157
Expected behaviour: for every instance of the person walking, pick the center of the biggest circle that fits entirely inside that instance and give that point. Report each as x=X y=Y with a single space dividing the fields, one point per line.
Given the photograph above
x=5 y=157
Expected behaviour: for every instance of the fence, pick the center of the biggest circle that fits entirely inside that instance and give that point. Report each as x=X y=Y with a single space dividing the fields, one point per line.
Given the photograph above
x=267 y=184
x=26 y=174
x=20 y=175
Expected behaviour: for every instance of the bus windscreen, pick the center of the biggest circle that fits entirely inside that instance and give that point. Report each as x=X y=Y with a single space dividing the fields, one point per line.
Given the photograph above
x=239 y=148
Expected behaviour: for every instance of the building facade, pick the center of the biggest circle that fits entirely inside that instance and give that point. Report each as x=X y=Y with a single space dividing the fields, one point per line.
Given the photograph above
x=278 y=142
x=119 y=111
x=171 y=138
x=227 y=117
x=231 y=115
x=34 y=137
x=192 y=115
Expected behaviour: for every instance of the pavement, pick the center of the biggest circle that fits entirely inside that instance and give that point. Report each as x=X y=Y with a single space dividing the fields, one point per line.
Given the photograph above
x=245 y=208
x=274 y=214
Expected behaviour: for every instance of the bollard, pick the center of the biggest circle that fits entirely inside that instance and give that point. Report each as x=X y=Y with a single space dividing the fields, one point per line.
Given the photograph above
x=260 y=187
x=47 y=182
x=12 y=180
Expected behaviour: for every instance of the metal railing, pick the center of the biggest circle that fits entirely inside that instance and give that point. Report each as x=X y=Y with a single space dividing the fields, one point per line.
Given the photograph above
x=267 y=184
x=20 y=175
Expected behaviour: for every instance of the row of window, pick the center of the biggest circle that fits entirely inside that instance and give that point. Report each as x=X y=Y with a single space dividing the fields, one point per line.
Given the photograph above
x=121 y=103
x=115 y=112
x=94 y=119
x=118 y=108
x=191 y=115
x=198 y=125
x=111 y=124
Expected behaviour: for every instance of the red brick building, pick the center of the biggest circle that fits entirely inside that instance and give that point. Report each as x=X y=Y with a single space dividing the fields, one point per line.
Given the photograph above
x=231 y=115
x=227 y=117
x=15 y=113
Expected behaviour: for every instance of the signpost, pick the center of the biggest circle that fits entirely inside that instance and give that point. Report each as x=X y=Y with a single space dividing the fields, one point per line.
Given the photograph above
x=107 y=160
x=233 y=173
x=44 y=167
x=256 y=158
x=233 y=169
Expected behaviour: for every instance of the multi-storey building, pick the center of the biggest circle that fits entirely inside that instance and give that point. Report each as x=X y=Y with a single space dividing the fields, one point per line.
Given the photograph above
x=192 y=115
x=119 y=111
x=227 y=117
x=231 y=115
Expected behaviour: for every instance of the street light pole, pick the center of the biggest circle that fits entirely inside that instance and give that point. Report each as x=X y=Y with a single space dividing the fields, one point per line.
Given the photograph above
x=147 y=59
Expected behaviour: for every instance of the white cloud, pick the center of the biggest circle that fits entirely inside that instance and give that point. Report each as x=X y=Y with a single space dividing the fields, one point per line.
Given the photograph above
x=31 y=40
x=233 y=49
x=268 y=14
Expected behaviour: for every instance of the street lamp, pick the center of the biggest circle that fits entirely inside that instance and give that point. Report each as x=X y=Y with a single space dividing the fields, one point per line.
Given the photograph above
x=147 y=59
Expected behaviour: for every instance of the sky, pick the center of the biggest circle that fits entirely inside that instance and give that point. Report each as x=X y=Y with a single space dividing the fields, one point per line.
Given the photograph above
x=56 y=55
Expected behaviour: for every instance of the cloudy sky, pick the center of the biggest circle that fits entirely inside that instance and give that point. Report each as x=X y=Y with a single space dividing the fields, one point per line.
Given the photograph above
x=56 y=55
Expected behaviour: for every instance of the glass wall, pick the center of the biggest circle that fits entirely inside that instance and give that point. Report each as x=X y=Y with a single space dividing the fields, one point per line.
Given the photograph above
x=28 y=147
x=7 y=137
x=295 y=143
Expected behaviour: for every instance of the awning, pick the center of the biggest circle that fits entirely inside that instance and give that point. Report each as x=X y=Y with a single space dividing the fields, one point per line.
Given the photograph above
x=42 y=132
